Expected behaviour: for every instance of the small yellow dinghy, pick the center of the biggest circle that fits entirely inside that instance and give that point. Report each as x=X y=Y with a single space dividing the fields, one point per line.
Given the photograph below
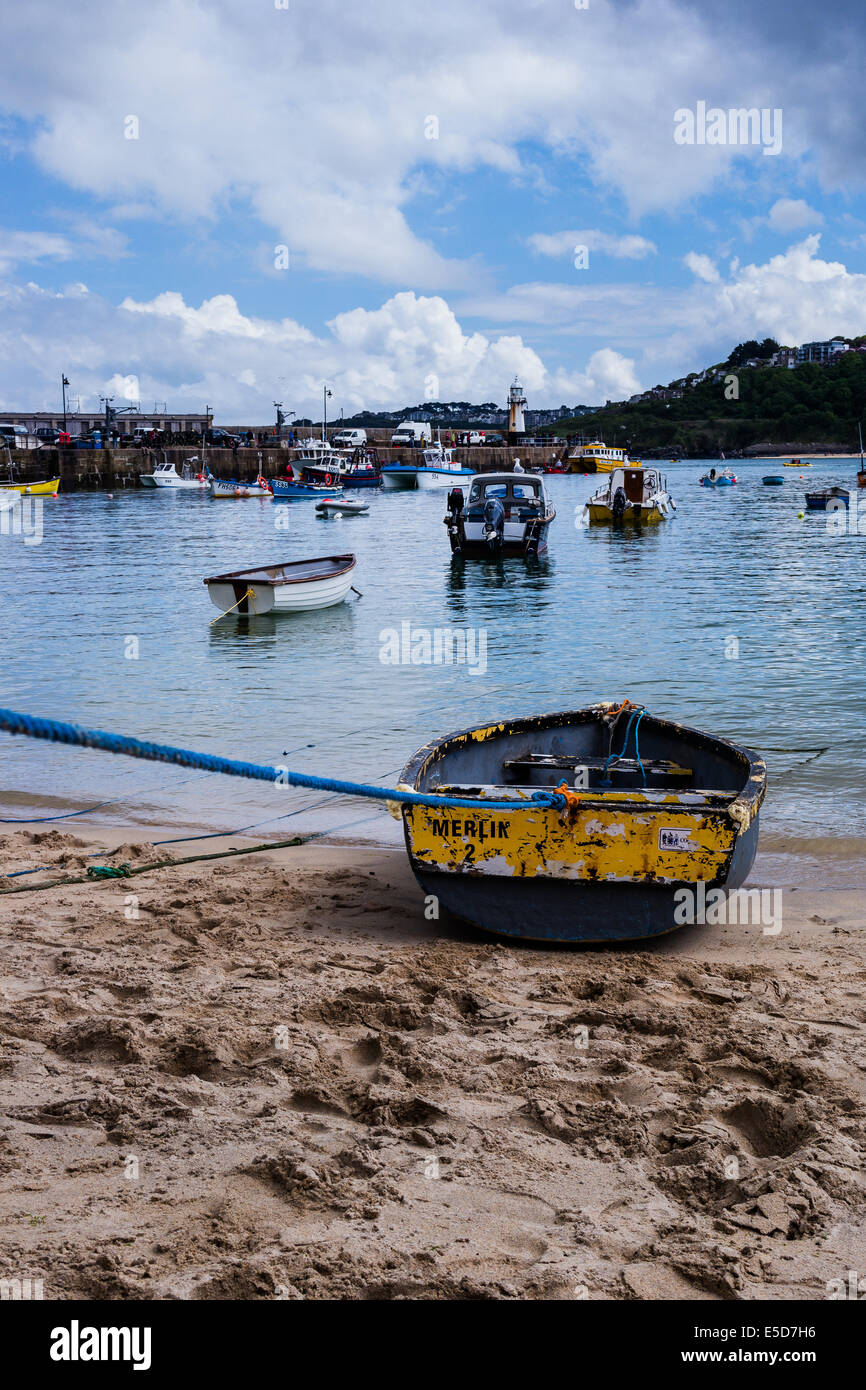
x=651 y=808
x=45 y=487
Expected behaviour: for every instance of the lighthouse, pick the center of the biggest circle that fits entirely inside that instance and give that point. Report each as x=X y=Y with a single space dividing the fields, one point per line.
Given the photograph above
x=516 y=402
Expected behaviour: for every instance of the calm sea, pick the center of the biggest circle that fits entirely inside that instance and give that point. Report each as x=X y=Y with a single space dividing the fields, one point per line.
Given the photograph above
x=737 y=616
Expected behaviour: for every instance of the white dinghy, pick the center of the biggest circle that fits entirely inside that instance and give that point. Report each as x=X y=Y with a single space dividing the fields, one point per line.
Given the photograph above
x=292 y=587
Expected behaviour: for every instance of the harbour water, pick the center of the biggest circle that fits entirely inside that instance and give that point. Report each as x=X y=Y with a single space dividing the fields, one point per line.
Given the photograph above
x=737 y=617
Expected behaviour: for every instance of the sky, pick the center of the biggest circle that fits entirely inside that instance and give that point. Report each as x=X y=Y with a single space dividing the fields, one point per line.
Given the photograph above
x=234 y=203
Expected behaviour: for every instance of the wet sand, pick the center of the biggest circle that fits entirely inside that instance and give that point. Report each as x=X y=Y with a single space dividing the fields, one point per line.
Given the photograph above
x=270 y=1076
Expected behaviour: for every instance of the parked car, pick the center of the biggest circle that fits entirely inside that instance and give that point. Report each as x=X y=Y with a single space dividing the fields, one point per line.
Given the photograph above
x=494 y=440
x=47 y=434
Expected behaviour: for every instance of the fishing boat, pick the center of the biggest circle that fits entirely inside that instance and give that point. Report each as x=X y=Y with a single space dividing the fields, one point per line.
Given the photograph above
x=722 y=477
x=596 y=457
x=506 y=514
x=361 y=474
x=230 y=487
x=293 y=587
x=438 y=468
x=295 y=490
x=165 y=475
x=773 y=480
x=658 y=809
x=635 y=494
x=341 y=506
x=317 y=461
x=833 y=497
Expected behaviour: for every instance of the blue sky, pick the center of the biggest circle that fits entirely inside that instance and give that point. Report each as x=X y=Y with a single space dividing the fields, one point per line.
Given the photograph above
x=150 y=266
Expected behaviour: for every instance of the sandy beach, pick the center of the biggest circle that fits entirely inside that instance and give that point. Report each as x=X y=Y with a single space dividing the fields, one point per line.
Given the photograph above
x=270 y=1076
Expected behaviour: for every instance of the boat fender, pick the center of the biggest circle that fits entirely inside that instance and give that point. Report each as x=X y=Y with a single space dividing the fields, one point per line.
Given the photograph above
x=739 y=814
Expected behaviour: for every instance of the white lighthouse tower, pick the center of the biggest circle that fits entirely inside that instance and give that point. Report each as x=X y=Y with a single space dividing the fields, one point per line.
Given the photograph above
x=516 y=402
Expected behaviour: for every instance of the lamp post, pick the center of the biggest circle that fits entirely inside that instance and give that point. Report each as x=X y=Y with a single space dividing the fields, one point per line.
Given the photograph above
x=325 y=394
x=64 y=382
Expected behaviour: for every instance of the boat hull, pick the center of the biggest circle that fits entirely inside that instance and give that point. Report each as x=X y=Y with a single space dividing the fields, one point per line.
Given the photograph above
x=601 y=514
x=430 y=479
x=278 y=599
x=223 y=488
x=399 y=479
x=611 y=868
x=45 y=487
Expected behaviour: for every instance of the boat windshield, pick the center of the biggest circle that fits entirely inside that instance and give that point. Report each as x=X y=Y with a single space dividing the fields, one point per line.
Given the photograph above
x=525 y=489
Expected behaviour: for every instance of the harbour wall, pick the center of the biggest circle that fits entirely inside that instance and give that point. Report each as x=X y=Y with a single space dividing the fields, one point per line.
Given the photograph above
x=114 y=469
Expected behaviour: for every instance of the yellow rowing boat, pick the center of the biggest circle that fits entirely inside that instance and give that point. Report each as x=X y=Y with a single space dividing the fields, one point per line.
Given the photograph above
x=43 y=488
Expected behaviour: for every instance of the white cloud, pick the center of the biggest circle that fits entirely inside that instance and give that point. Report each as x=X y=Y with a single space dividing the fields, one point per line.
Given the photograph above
x=789 y=214
x=701 y=266
x=166 y=349
x=632 y=248
x=325 y=140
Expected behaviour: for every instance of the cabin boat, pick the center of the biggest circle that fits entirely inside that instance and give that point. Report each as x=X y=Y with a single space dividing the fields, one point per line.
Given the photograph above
x=438 y=468
x=165 y=475
x=635 y=494
x=721 y=477
x=831 y=497
x=230 y=487
x=362 y=473
x=296 y=490
x=657 y=808
x=293 y=587
x=341 y=506
x=506 y=514
x=596 y=457
x=317 y=461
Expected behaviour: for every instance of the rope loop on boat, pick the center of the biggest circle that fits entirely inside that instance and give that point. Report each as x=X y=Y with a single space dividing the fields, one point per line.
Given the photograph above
x=250 y=594
x=31 y=726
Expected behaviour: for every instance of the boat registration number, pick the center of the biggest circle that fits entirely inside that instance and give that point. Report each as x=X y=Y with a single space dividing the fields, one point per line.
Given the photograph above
x=672 y=837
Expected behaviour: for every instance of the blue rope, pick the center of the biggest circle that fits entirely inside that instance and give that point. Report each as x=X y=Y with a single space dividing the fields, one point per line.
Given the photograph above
x=55 y=732
x=615 y=757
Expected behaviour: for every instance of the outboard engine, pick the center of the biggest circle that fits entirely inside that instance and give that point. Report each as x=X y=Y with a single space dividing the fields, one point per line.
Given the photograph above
x=618 y=504
x=454 y=520
x=494 y=523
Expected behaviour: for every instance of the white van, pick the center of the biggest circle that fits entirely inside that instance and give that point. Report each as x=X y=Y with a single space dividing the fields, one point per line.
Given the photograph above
x=350 y=439
x=411 y=433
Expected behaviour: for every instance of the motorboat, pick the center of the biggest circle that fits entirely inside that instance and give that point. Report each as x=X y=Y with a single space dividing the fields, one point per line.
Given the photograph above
x=438 y=468
x=634 y=495
x=595 y=457
x=656 y=817
x=165 y=475
x=293 y=587
x=505 y=514
x=296 y=490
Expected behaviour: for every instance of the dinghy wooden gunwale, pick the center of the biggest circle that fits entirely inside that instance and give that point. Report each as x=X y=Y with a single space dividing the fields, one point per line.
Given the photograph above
x=606 y=870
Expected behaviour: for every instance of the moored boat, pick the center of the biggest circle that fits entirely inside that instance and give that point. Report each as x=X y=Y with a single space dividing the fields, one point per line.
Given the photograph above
x=834 y=497
x=165 y=475
x=797 y=463
x=595 y=457
x=296 y=490
x=41 y=487
x=772 y=480
x=341 y=506
x=722 y=477
x=293 y=587
x=635 y=495
x=231 y=487
x=506 y=514
x=679 y=811
x=438 y=468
